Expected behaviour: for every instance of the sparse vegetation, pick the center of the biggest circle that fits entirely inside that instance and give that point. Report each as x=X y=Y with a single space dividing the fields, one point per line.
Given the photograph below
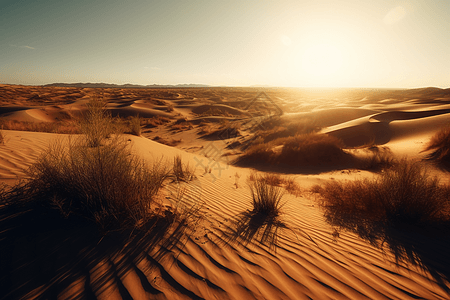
x=266 y=198
x=155 y=121
x=276 y=127
x=377 y=159
x=215 y=112
x=278 y=180
x=440 y=144
x=98 y=178
x=263 y=222
x=135 y=125
x=105 y=184
x=88 y=205
x=180 y=171
x=302 y=151
x=169 y=142
x=66 y=126
x=225 y=130
x=181 y=125
x=402 y=197
x=97 y=123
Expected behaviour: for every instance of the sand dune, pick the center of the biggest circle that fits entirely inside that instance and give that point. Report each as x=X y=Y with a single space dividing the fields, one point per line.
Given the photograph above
x=209 y=265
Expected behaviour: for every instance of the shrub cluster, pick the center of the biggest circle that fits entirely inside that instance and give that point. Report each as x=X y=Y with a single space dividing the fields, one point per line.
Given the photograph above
x=303 y=151
x=440 y=144
x=105 y=184
x=402 y=197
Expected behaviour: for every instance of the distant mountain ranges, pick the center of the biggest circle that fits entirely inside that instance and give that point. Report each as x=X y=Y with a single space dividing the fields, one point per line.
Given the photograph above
x=128 y=85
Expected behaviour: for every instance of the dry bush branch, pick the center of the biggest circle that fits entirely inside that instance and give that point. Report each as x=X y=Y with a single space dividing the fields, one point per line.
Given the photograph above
x=440 y=144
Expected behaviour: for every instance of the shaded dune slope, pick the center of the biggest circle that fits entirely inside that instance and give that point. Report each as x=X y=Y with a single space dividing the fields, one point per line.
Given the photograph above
x=384 y=127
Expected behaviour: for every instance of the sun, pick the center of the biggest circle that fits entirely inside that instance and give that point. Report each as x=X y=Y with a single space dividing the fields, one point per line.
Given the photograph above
x=322 y=60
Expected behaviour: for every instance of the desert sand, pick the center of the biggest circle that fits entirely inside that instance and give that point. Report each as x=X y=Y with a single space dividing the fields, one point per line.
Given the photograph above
x=308 y=262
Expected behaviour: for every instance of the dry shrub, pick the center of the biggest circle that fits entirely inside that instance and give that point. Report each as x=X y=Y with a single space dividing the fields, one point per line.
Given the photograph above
x=258 y=153
x=205 y=128
x=180 y=171
x=301 y=151
x=169 y=142
x=66 y=126
x=292 y=187
x=378 y=158
x=276 y=128
x=224 y=131
x=156 y=121
x=88 y=205
x=215 y=112
x=105 y=184
x=135 y=125
x=404 y=196
x=312 y=149
x=289 y=184
x=181 y=125
x=264 y=222
x=266 y=198
x=440 y=144
x=97 y=123
x=403 y=210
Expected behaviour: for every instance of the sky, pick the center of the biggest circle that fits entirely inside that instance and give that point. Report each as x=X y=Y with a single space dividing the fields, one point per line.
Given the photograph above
x=382 y=44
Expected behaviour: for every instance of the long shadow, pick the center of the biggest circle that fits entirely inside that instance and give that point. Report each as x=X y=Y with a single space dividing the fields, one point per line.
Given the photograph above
x=425 y=247
x=344 y=162
x=251 y=226
x=43 y=253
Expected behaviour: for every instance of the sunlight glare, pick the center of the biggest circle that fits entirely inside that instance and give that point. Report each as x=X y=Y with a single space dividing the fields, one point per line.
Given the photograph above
x=322 y=60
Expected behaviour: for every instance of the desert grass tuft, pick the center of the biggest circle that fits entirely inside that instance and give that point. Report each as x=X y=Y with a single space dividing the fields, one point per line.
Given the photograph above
x=97 y=124
x=266 y=198
x=135 y=125
x=181 y=171
x=440 y=144
x=264 y=222
x=278 y=180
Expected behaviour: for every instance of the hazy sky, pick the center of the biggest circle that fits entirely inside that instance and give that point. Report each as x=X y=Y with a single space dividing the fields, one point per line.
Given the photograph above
x=226 y=42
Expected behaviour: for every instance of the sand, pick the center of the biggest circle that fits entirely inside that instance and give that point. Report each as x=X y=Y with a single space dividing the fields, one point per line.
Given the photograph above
x=210 y=267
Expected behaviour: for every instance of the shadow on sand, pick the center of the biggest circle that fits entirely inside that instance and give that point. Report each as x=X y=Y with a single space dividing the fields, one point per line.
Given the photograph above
x=425 y=248
x=43 y=253
x=251 y=226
